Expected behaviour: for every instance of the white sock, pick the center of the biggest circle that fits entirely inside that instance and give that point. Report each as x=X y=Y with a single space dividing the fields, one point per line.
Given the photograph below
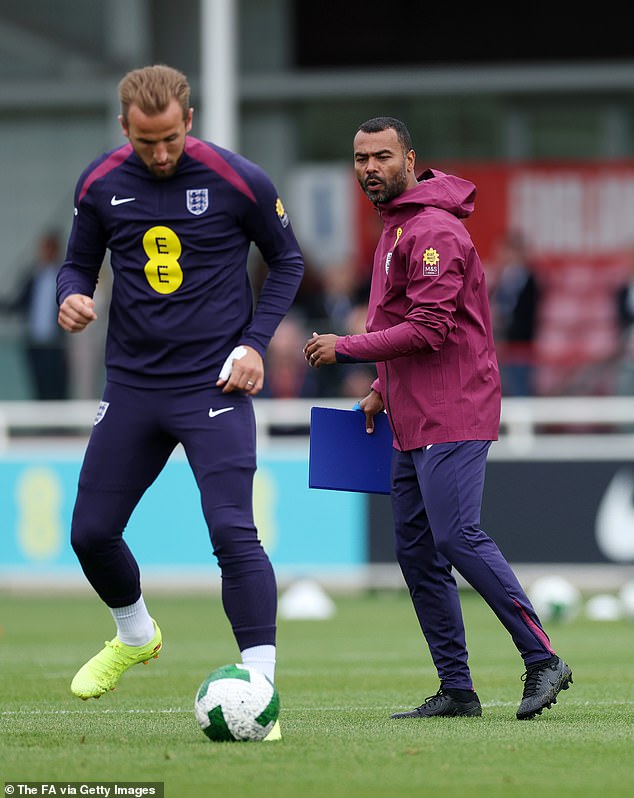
x=134 y=625
x=262 y=658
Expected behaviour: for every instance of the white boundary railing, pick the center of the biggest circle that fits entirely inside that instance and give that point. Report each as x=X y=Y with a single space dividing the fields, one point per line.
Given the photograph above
x=523 y=419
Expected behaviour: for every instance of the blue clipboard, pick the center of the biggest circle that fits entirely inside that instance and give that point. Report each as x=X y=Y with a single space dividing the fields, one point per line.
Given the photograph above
x=343 y=456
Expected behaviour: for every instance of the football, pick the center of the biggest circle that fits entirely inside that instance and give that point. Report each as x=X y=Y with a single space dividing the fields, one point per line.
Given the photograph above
x=626 y=594
x=555 y=598
x=236 y=703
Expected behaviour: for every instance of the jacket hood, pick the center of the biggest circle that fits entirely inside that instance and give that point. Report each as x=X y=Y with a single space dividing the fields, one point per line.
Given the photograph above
x=439 y=190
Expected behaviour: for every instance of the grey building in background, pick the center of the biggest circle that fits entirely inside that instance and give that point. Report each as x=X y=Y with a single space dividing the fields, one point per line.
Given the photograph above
x=306 y=75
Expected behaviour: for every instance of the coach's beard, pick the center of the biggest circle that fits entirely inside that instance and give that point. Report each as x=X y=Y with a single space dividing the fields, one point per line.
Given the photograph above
x=373 y=192
x=384 y=192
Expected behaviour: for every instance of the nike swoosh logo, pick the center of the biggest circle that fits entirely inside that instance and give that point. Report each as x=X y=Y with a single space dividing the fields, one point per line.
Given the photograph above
x=213 y=413
x=115 y=201
x=614 y=523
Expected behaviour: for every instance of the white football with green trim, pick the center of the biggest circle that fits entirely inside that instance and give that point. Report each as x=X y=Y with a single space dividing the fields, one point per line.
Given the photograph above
x=236 y=703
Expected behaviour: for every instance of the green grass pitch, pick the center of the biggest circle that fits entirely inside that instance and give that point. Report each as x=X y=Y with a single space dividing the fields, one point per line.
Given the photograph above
x=338 y=679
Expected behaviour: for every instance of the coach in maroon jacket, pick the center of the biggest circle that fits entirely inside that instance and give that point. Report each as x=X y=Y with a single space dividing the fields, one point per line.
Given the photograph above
x=429 y=332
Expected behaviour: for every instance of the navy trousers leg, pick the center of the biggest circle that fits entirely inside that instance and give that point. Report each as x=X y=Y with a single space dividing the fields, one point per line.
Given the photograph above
x=249 y=588
x=126 y=452
x=436 y=500
x=128 y=449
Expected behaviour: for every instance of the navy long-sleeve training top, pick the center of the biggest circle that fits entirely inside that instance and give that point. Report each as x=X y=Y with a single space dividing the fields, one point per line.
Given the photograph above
x=181 y=294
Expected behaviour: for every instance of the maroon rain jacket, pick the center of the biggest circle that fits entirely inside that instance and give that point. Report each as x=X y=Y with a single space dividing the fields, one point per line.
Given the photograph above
x=429 y=324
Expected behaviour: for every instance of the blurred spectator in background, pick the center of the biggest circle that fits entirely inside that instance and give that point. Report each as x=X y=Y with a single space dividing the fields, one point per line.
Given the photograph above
x=86 y=367
x=330 y=297
x=341 y=292
x=514 y=307
x=285 y=372
x=309 y=299
x=45 y=346
x=327 y=294
x=624 y=300
x=357 y=378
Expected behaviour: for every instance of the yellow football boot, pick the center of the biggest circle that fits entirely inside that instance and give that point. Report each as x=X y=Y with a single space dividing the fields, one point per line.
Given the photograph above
x=274 y=734
x=102 y=672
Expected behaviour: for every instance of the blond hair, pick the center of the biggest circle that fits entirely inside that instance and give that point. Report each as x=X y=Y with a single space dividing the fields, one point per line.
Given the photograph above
x=152 y=88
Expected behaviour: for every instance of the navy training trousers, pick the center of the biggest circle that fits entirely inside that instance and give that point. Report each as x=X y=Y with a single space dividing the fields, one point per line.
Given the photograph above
x=131 y=441
x=436 y=503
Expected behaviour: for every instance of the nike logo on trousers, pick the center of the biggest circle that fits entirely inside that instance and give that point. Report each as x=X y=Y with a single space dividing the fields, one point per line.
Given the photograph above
x=213 y=412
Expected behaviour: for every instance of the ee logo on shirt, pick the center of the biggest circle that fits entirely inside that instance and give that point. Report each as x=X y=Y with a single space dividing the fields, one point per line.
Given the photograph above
x=163 y=248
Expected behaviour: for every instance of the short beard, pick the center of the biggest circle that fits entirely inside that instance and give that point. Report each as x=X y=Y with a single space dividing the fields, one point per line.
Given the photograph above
x=161 y=174
x=390 y=190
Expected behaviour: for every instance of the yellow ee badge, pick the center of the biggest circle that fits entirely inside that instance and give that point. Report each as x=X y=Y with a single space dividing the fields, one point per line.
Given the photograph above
x=163 y=270
x=281 y=213
x=431 y=262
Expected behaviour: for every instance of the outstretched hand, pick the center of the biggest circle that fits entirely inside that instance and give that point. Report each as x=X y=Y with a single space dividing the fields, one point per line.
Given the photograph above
x=320 y=350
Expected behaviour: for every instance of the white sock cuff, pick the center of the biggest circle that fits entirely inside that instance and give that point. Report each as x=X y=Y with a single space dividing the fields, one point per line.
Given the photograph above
x=134 y=624
x=262 y=658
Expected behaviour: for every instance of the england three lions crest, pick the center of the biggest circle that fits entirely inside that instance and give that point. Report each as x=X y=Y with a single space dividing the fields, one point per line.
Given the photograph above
x=197 y=200
x=101 y=412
